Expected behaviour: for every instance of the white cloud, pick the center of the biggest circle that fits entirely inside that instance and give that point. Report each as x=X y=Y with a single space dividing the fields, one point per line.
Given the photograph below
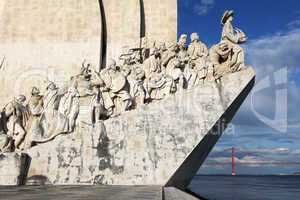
x=267 y=55
x=203 y=7
x=294 y=24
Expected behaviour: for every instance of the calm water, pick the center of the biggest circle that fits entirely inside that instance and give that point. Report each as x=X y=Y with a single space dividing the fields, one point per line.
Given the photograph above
x=247 y=187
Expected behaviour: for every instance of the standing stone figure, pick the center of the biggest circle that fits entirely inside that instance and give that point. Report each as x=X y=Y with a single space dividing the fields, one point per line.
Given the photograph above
x=68 y=110
x=182 y=42
x=233 y=37
x=51 y=102
x=35 y=128
x=198 y=54
x=14 y=118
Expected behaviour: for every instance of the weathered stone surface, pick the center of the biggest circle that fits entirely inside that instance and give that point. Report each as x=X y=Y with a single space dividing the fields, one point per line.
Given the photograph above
x=161 y=143
x=43 y=39
x=123 y=26
x=13 y=168
x=160 y=20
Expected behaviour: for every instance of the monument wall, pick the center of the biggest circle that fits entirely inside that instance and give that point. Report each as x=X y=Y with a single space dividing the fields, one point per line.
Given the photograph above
x=160 y=20
x=122 y=22
x=44 y=40
x=41 y=39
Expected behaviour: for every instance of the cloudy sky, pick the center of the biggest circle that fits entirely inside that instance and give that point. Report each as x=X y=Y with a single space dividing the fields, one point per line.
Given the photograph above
x=266 y=130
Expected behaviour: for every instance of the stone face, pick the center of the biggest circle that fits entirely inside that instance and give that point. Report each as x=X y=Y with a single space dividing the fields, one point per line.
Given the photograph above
x=13 y=168
x=122 y=22
x=163 y=143
x=160 y=20
x=43 y=39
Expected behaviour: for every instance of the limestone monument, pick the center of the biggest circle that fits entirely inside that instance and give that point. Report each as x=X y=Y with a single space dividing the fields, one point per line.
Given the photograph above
x=100 y=92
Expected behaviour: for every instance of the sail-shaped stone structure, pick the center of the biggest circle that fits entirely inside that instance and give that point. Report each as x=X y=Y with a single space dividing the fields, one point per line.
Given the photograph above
x=162 y=140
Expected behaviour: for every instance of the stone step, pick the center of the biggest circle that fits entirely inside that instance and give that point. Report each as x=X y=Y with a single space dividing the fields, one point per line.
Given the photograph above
x=172 y=193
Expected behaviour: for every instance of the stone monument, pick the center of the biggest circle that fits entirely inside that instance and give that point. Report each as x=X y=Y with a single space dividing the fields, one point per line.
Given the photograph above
x=103 y=94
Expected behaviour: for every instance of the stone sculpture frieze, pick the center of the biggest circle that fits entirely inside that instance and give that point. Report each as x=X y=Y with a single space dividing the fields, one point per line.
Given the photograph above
x=131 y=80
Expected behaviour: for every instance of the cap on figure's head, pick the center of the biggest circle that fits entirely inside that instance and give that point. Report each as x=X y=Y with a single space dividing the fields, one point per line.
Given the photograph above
x=194 y=36
x=51 y=86
x=35 y=91
x=226 y=15
x=21 y=98
x=111 y=63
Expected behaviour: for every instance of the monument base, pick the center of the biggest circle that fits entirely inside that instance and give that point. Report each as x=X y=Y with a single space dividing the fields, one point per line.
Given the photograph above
x=13 y=168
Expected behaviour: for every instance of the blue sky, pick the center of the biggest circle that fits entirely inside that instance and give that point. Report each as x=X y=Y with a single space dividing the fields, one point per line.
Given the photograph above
x=266 y=130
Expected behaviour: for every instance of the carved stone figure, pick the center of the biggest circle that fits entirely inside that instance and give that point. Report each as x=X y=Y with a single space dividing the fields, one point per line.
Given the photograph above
x=137 y=88
x=182 y=42
x=14 y=120
x=233 y=37
x=6 y=143
x=83 y=80
x=115 y=88
x=174 y=65
x=220 y=57
x=69 y=109
x=198 y=55
x=51 y=103
x=35 y=129
x=98 y=111
x=158 y=84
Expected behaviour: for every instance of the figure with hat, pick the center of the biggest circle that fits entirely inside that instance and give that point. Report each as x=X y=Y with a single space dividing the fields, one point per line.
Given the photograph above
x=14 y=119
x=233 y=37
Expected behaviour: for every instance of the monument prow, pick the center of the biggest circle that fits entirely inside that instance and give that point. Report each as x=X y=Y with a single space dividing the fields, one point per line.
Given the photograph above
x=163 y=143
x=141 y=109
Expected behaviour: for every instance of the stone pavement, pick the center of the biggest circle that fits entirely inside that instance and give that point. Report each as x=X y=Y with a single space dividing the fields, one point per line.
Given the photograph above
x=91 y=193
